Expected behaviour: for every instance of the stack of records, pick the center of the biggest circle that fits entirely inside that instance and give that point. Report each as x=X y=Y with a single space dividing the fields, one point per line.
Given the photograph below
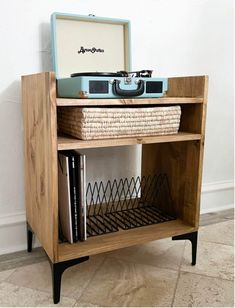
x=72 y=195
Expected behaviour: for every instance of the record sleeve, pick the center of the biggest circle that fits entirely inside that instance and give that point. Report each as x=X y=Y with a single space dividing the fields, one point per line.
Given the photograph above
x=64 y=198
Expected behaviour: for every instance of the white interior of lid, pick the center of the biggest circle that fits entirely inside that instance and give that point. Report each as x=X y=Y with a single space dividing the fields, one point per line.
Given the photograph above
x=72 y=34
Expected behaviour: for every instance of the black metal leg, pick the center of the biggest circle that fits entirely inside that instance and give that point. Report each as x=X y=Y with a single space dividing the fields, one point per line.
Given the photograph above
x=193 y=239
x=56 y=282
x=57 y=270
x=29 y=238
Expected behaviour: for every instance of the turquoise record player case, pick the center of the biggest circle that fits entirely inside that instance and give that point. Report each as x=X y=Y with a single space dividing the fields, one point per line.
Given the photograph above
x=96 y=44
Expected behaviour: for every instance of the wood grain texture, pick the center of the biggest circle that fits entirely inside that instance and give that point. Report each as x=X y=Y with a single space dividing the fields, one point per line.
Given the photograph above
x=121 y=239
x=40 y=151
x=187 y=87
x=191 y=118
x=128 y=101
x=201 y=148
x=182 y=161
x=67 y=142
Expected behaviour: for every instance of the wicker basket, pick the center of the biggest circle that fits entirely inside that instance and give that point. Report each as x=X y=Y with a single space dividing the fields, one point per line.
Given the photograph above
x=99 y=123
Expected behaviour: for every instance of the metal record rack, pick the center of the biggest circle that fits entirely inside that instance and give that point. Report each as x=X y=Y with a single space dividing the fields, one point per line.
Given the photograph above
x=128 y=203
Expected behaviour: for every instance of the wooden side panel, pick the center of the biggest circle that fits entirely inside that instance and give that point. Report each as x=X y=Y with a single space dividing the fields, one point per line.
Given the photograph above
x=186 y=86
x=182 y=161
x=40 y=151
x=191 y=118
x=202 y=142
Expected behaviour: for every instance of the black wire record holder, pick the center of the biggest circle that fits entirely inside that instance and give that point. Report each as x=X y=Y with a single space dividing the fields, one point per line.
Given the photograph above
x=128 y=203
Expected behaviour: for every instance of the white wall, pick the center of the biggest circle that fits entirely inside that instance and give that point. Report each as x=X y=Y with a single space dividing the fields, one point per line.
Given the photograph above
x=175 y=38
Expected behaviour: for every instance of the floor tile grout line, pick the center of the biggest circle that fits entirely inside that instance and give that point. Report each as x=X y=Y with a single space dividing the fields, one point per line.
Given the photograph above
x=215 y=242
x=178 y=276
x=177 y=281
x=208 y=276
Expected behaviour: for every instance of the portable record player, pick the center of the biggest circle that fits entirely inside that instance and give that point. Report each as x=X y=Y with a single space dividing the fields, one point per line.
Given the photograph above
x=91 y=58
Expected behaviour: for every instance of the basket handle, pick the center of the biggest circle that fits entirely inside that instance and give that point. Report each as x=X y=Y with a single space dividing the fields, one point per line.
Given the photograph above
x=118 y=91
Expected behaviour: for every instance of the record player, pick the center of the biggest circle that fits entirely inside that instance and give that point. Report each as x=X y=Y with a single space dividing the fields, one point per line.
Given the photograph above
x=92 y=59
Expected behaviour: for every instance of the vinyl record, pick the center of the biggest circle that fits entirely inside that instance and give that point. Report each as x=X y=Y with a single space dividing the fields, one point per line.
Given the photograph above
x=97 y=74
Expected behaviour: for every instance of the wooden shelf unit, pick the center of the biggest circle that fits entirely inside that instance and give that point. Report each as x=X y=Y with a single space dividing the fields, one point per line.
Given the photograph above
x=180 y=156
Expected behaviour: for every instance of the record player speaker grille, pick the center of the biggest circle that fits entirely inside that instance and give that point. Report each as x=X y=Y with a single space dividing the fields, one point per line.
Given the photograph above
x=153 y=86
x=98 y=86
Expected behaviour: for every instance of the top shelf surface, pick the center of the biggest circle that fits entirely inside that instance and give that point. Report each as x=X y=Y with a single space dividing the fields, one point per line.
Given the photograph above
x=128 y=101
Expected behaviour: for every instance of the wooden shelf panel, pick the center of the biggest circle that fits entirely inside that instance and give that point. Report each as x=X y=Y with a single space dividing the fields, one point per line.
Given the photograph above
x=128 y=101
x=69 y=143
x=121 y=239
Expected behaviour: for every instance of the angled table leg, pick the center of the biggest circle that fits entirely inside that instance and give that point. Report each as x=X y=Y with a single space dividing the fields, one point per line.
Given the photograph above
x=29 y=237
x=57 y=270
x=193 y=239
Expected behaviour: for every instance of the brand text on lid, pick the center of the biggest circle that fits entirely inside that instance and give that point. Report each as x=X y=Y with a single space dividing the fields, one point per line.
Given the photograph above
x=92 y=50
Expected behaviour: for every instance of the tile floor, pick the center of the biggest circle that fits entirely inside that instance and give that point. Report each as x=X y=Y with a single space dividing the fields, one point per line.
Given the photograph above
x=157 y=274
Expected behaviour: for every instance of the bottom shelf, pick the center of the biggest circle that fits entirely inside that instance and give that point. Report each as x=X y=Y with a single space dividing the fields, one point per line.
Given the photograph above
x=121 y=239
x=125 y=219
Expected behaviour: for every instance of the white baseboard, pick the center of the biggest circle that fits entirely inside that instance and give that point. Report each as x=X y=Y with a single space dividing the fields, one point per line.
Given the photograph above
x=13 y=233
x=217 y=186
x=12 y=219
x=215 y=197
x=217 y=208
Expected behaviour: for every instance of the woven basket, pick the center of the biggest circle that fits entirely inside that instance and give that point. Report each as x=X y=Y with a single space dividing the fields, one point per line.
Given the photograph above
x=99 y=123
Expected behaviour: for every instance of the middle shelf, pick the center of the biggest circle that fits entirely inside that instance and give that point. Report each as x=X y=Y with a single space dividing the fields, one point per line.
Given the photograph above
x=68 y=143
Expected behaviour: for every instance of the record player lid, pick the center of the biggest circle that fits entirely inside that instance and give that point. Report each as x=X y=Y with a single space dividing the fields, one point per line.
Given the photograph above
x=88 y=43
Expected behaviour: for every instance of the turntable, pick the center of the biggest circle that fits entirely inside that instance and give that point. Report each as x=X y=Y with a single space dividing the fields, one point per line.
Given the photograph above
x=98 y=50
x=110 y=85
